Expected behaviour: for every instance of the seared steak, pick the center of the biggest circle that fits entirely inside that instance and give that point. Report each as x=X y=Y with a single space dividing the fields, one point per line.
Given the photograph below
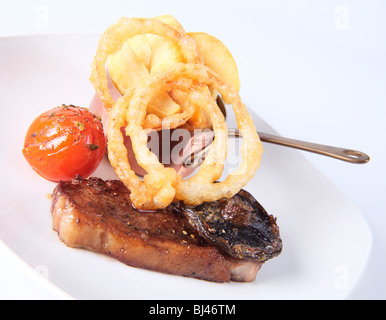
x=98 y=215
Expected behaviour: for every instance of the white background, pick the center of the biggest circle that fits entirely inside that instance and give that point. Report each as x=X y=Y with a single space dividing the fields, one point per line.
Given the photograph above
x=314 y=70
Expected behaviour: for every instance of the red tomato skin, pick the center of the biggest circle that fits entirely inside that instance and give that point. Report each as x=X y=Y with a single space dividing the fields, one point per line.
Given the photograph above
x=64 y=142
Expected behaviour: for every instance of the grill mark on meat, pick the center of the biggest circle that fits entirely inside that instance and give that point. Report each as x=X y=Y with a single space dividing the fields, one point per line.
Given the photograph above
x=98 y=215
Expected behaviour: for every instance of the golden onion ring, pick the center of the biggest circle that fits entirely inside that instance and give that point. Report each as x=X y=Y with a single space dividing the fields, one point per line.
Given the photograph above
x=115 y=36
x=163 y=185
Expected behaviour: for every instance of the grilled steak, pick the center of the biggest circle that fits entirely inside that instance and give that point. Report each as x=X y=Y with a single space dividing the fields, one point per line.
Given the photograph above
x=98 y=215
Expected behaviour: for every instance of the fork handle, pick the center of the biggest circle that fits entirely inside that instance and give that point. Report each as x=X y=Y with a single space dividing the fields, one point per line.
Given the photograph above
x=348 y=155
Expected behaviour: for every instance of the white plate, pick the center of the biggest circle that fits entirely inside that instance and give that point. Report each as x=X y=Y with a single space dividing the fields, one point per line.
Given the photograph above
x=326 y=240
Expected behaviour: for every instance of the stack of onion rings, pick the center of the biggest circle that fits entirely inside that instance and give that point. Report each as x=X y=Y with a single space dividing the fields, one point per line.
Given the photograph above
x=161 y=185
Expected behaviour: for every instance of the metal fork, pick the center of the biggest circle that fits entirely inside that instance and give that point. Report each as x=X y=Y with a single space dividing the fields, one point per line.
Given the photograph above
x=344 y=154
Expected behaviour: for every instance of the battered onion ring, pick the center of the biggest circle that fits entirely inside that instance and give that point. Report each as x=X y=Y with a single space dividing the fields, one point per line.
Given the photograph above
x=157 y=190
x=116 y=35
x=164 y=183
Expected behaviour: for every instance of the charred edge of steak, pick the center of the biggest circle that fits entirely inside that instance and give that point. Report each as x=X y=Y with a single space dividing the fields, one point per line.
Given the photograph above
x=240 y=226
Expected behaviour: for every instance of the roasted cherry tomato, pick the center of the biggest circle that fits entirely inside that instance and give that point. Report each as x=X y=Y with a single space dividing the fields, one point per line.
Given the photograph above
x=64 y=142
